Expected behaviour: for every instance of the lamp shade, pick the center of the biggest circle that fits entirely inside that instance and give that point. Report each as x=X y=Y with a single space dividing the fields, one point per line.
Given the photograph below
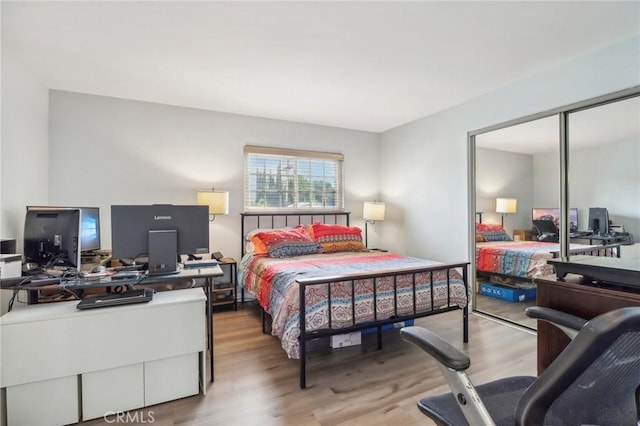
x=506 y=205
x=373 y=210
x=218 y=201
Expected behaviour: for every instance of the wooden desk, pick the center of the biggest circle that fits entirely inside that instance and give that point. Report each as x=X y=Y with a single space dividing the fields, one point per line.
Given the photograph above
x=577 y=298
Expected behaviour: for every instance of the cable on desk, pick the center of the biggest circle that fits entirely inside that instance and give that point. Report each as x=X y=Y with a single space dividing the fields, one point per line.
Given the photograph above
x=139 y=280
x=16 y=290
x=132 y=262
x=41 y=275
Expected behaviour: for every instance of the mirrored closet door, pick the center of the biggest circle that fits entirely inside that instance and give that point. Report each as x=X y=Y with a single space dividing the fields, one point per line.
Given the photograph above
x=521 y=164
x=604 y=174
x=532 y=185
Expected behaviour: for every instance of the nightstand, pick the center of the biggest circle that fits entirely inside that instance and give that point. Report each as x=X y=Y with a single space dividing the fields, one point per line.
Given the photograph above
x=523 y=235
x=224 y=288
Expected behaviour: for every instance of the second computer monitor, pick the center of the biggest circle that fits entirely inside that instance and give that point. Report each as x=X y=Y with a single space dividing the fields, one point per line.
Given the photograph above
x=51 y=237
x=89 y=225
x=599 y=220
x=160 y=232
x=553 y=214
x=90 y=229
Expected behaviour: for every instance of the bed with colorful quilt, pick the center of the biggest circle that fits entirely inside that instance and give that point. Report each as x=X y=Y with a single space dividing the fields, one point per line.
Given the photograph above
x=497 y=254
x=324 y=270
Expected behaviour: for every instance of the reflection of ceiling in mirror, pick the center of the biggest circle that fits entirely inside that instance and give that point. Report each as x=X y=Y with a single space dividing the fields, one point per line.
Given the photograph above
x=616 y=122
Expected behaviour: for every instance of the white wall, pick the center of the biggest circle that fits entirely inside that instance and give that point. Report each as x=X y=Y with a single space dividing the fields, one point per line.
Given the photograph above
x=23 y=151
x=505 y=175
x=122 y=152
x=24 y=148
x=600 y=176
x=106 y=151
x=424 y=163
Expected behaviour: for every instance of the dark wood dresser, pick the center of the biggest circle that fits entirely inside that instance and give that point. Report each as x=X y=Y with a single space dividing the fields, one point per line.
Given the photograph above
x=575 y=297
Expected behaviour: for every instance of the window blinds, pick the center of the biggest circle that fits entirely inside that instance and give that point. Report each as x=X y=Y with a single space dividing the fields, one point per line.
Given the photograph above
x=283 y=179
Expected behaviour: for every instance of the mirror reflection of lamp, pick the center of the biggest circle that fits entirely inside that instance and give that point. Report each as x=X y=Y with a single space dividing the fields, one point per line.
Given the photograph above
x=371 y=212
x=505 y=206
x=218 y=202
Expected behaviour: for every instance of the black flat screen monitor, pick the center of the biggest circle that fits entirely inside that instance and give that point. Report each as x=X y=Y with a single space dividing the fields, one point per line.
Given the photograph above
x=160 y=232
x=89 y=225
x=554 y=216
x=51 y=237
x=599 y=220
x=545 y=227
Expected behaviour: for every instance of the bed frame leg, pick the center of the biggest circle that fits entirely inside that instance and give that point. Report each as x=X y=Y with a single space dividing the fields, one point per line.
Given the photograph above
x=379 y=332
x=264 y=322
x=303 y=364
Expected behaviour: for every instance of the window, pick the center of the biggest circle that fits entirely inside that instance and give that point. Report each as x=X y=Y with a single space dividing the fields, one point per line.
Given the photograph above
x=283 y=179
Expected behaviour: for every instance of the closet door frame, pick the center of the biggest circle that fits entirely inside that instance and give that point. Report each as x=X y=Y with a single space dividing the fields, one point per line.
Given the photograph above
x=563 y=148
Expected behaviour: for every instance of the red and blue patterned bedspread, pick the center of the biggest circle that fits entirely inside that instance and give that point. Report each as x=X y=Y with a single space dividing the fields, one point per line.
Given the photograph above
x=525 y=259
x=273 y=282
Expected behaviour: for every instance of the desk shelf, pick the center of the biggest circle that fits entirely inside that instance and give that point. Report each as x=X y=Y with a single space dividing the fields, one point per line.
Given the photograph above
x=223 y=291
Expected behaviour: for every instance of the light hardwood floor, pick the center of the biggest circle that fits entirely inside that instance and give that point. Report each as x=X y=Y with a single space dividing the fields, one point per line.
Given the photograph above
x=256 y=384
x=511 y=311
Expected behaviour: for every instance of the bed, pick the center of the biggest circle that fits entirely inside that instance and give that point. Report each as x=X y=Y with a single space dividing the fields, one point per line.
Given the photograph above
x=336 y=287
x=497 y=254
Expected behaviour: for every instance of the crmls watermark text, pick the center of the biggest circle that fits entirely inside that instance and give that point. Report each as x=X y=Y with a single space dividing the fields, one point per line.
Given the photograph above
x=134 y=417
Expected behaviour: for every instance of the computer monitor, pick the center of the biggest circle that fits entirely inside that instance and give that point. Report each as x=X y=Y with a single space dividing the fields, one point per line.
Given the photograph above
x=553 y=215
x=545 y=227
x=599 y=220
x=160 y=232
x=51 y=237
x=89 y=225
x=90 y=229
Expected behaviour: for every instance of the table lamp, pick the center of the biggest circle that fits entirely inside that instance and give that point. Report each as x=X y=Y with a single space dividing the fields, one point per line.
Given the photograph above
x=505 y=206
x=371 y=212
x=218 y=202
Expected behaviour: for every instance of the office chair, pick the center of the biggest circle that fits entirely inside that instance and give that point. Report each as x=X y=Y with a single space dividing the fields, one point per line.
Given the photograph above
x=594 y=381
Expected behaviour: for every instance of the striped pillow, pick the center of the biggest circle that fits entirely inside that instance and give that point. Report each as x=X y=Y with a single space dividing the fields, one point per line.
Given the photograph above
x=287 y=242
x=335 y=238
x=491 y=232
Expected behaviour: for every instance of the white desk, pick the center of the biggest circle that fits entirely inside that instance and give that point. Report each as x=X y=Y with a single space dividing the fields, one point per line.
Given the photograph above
x=60 y=364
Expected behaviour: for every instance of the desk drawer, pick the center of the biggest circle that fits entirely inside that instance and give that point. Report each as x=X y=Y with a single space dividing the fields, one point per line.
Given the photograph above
x=48 y=402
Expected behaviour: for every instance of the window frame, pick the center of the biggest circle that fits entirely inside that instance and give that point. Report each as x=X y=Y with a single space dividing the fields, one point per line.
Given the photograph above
x=296 y=157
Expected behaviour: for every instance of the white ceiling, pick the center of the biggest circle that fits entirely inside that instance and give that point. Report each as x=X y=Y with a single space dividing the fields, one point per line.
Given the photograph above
x=359 y=65
x=606 y=124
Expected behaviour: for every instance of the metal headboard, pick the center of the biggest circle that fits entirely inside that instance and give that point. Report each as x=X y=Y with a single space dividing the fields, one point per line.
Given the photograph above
x=272 y=220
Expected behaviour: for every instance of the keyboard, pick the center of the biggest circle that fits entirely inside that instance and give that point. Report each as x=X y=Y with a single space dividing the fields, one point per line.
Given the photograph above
x=41 y=281
x=116 y=299
x=127 y=275
x=202 y=263
x=580 y=234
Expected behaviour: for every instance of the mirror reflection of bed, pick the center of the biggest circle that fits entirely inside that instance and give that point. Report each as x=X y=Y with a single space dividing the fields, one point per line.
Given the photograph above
x=522 y=161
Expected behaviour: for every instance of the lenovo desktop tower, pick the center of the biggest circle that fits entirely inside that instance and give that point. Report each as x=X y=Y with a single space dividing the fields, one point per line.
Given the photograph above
x=163 y=246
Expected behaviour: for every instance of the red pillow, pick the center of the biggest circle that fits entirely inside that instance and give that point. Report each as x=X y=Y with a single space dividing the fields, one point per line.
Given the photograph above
x=491 y=232
x=334 y=238
x=287 y=242
x=258 y=246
